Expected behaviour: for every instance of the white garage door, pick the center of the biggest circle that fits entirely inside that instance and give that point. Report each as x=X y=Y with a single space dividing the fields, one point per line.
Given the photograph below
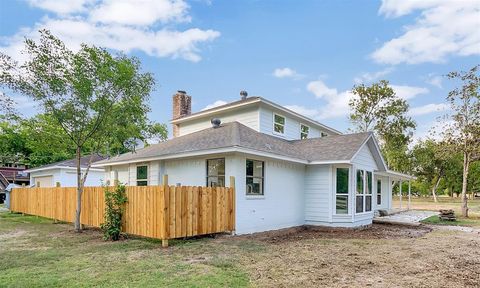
x=44 y=181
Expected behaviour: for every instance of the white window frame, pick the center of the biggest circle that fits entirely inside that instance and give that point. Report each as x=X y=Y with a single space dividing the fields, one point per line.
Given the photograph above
x=301 y=131
x=283 y=125
x=255 y=196
x=136 y=174
x=219 y=175
x=349 y=194
x=364 y=195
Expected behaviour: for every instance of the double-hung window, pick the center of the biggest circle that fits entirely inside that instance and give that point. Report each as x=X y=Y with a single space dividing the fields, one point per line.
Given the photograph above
x=216 y=172
x=364 y=190
x=304 y=129
x=142 y=175
x=379 y=192
x=341 y=193
x=278 y=124
x=254 y=177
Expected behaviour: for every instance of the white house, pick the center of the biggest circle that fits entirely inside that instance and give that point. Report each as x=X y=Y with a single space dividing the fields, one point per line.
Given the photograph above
x=290 y=170
x=64 y=173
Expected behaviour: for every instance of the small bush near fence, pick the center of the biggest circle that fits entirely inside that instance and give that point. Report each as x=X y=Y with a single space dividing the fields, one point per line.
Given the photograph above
x=114 y=208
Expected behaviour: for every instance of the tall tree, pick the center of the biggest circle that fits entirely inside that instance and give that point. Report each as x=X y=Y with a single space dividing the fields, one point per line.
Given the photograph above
x=6 y=106
x=377 y=108
x=83 y=91
x=462 y=132
x=430 y=164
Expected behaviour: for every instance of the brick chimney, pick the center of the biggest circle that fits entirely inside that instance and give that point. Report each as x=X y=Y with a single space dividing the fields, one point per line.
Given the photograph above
x=182 y=106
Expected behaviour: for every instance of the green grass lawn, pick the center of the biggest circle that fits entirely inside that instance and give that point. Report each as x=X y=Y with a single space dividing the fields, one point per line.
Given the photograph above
x=469 y=222
x=37 y=253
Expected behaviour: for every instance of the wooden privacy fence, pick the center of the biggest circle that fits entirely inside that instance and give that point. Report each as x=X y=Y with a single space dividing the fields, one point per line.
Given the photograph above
x=163 y=212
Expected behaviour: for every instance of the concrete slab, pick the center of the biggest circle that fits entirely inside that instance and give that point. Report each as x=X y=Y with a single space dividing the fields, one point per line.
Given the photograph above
x=411 y=217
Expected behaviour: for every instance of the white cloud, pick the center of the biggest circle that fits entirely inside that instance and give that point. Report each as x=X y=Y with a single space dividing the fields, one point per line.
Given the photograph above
x=140 y=12
x=286 y=73
x=61 y=7
x=118 y=35
x=369 y=77
x=336 y=102
x=215 y=104
x=336 y=105
x=444 y=28
x=428 y=109
x=435 y=81
x=408 y=92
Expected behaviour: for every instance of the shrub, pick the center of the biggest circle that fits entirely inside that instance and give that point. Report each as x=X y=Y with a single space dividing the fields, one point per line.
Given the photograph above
x=114 y=207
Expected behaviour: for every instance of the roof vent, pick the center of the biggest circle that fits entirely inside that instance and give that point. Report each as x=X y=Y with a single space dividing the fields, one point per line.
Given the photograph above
x=243 y=94
x=216 y=122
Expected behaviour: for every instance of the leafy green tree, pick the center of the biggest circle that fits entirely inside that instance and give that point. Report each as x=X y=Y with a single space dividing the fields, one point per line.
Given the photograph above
x=6 y=105
x=462 y=133
x=84 y=91
x=377 y=108
x=431 y=165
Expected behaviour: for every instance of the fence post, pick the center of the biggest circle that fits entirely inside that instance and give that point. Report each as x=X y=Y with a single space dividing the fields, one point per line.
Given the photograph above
x=165 y=190
x=232 y=185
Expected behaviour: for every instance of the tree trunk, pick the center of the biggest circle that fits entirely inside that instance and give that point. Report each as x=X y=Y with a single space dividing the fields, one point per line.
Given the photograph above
x=466 y=163
x=78 y=226
x=434 y=189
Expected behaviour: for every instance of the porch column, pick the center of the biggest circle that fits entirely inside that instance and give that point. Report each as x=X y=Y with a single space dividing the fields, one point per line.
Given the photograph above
x=400 y=193
x=409 y=193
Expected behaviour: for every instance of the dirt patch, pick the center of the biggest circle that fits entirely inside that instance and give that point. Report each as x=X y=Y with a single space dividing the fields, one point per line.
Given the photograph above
x=13 y=234
x=375 y=231
x=380 y=256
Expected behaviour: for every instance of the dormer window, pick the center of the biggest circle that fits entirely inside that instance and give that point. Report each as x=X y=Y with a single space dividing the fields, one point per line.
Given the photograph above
x=278 y=124
x=304 y=129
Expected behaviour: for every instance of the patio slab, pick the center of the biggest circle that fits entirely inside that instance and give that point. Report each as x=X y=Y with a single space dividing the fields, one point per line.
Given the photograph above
x=411 y=217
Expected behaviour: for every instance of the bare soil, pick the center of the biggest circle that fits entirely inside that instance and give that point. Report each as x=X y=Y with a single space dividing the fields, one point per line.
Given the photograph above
x=378 y=256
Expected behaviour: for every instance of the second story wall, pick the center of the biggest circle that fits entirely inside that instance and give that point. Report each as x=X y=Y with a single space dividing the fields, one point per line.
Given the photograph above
x=292 y=125
x=248 y=116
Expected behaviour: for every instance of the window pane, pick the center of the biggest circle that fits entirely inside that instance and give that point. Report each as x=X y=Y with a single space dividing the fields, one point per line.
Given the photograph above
x=359 y=204
x=342 y=180
x=249 y=171
x=142 y=172
x=342 y=204
x=368 y=203
x=278 y=128
x=142 y=183
x=254 y=186
x=279 y=119
x=369 y=183
x=304 y=129
x=379 y=192
x=359 y=181
x=257 y=168
x=215 y=181
x=216 y=167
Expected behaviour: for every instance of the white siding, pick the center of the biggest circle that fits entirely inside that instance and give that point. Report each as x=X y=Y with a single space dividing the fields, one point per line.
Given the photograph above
x=246 y=116
x=68 y=177
x=364 y=159
x=282 y=205
x=318 y=193
x=292 y=125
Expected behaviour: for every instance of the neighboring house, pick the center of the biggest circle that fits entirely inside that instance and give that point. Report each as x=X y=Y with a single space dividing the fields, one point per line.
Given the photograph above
x=12 y=173
x=64 y=173
x=290 y=170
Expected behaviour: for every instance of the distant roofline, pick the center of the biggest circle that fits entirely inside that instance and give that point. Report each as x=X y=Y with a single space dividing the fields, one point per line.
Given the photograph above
x=246 y=102
x=41 y=168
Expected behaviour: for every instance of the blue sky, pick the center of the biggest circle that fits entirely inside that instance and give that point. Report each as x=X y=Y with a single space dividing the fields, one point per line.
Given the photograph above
x=305 y=55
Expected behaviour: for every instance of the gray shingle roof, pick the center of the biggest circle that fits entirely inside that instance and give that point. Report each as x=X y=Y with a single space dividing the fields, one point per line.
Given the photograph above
x=234 y=134
x=73 y=162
